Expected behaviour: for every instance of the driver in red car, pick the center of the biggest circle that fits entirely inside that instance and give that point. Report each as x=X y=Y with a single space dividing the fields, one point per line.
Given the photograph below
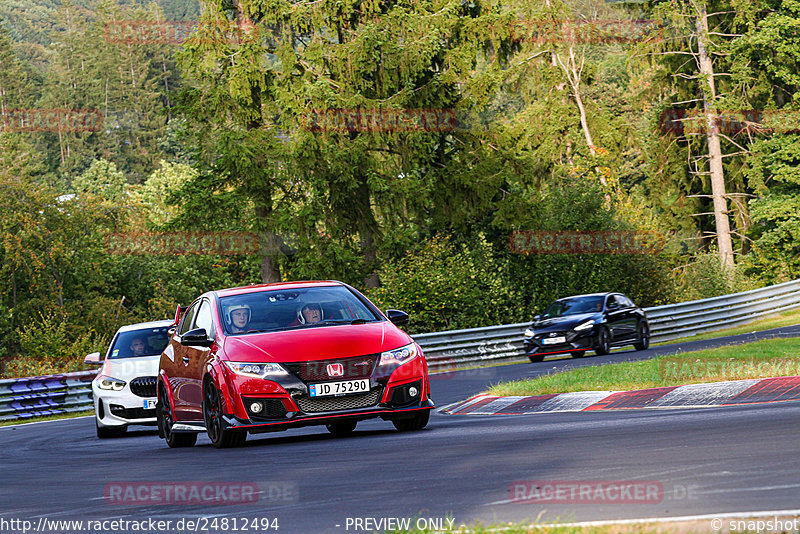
x=239 y=318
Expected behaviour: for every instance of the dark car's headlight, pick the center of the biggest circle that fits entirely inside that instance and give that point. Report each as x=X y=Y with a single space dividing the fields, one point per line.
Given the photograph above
x=529 y=332
x=109 y=383
x=257 y=370
x=584 y=326
x=400 y=356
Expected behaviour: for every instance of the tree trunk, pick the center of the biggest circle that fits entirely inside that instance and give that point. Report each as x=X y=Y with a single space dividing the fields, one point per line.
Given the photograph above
x=714 y=148
x=367 y=231
x=269 y=248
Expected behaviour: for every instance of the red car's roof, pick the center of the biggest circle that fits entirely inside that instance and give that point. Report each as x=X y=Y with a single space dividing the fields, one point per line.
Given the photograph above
x=277 y=285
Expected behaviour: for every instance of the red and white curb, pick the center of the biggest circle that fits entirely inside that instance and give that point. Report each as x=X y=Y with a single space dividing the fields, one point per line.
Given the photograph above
x=752 y=391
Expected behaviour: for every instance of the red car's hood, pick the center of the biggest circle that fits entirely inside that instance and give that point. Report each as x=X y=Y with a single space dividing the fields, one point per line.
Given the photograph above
x=315 y=343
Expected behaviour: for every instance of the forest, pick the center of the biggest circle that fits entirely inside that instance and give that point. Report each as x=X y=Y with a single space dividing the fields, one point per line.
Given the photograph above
x=467 y=161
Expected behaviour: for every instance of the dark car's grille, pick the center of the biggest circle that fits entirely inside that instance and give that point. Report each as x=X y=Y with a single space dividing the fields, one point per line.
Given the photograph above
x=131 y=413
x=353 y=368
x=334 y=404
x=144 y=386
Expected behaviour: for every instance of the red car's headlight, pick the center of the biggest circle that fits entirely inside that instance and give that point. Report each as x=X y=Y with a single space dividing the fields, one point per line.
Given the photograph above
x=400 y=356
x=269 y=371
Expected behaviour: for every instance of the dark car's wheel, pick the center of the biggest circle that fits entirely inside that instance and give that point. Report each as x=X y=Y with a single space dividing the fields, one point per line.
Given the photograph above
x=106 y=432
x=536 y=358
x=220 y=436
x=603 y=342
x=578 y=353
x=341 y=429
x=644 y=337
x=165 y=421
x=417 y=422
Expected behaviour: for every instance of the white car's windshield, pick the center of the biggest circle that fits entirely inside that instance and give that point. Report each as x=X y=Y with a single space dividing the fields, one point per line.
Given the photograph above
x=145 y=342
x=273 y=310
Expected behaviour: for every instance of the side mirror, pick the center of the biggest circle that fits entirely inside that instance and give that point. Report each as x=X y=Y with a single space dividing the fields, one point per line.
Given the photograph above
x=196 y=337
x=399 y=318
x=93 y=359
x=537 y=318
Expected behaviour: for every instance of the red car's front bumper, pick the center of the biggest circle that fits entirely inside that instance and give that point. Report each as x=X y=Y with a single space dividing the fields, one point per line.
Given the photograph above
x=285 y=403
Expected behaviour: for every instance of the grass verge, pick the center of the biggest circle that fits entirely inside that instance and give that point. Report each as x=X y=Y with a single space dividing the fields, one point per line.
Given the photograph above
x=53 y=417
x=789 y=318
x=761 y=359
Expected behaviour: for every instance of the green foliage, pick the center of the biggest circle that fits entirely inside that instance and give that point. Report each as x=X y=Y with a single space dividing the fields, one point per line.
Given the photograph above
x=48 y=345
x=446 y=286
x=103 y=180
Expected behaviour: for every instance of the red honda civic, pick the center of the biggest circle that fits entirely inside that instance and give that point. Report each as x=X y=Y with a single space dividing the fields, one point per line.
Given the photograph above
x=276 y=356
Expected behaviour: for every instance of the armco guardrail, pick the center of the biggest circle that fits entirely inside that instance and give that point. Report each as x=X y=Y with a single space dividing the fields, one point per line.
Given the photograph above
x=475 y=346
x=675 y=321
x=21 y=398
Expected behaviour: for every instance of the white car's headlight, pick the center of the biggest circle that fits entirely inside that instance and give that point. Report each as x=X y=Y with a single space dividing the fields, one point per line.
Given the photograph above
x=400 y=356
x=257 y=370
x=529 y=332
x=584 y=326
x=109 y=383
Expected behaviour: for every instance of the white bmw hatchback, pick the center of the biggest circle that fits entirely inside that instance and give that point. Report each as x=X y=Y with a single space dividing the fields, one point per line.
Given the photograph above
x=124 y=389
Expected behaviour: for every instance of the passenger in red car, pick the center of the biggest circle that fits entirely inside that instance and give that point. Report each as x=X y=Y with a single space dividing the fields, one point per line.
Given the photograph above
x=308 y=314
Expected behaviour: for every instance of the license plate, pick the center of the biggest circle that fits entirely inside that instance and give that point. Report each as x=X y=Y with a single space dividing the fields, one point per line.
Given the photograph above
x=326 y=389
x=554 y=340
x=149 y=404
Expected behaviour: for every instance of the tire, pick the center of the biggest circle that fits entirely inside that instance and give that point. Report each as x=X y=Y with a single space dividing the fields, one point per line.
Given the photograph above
x=536 y=358
x=221 y=437
x=342 y=429
x=603 y=342
x=417 y=422
x=644 y=337
x=165 y=420
x=107 y=432
x=578 y=353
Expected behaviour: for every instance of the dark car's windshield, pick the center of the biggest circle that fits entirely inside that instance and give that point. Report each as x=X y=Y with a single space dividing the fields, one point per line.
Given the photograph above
x=574 y=306
x=273 y=310
x=145 y=342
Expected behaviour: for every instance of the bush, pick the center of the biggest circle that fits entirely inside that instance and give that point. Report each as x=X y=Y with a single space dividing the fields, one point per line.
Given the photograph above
x=444 y=286
x=49 y=348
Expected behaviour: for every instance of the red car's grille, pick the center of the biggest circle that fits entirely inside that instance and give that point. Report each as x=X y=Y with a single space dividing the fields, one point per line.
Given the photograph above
x=334 y=404
x=351 y=368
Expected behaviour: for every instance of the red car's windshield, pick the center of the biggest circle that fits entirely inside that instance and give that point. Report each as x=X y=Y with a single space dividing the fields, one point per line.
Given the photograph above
x=273 y=310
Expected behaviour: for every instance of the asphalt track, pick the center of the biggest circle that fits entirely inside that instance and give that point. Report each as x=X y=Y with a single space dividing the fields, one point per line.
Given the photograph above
x=705 y=461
